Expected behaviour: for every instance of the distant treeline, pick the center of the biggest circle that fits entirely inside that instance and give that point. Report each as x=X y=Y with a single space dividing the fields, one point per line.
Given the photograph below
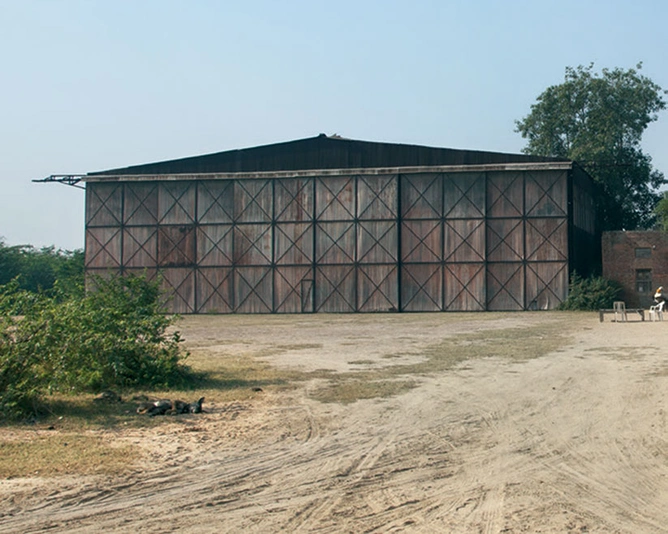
x=39 y=270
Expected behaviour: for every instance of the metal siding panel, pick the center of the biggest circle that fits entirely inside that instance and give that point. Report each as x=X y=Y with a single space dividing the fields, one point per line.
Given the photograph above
x=176 y=203
x=421 y=241
x=104 y=204
x=421 y=287
x=288 y=288
x=377 y=288
x=421 y=196
x=505 y=286
x=215 y=201
x=464 y=240
x=464 y=195
x=377 y=242
x=140 y=246
x=103 y=248
x=505 y=194
x=252 y=244
x=335 y=242
x=176 y=246
x=377 y=197
x=253 y=201
x=294 y=199
x=335 y=198
x=215 y=290
x=293 y=243
x=140 y=204
x=464 y=287
x=546 y=285
x=253 y=289
x=179 y=287
x=505 y=240
x=546 y=239
x=215 y=245
x=335 y=288
x=546 y=193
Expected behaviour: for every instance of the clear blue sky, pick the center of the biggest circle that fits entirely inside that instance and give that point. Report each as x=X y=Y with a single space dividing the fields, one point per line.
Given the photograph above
x=90 y=85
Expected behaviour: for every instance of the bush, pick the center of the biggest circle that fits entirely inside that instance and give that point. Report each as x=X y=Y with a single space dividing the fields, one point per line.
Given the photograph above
x=592 y=293
x=113 y=337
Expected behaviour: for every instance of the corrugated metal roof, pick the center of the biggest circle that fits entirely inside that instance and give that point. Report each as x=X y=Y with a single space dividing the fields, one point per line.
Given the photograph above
x=323 y=152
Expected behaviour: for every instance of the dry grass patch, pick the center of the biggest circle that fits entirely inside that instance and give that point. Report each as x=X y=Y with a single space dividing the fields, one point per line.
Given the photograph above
x=347 y=391
x=63 y=454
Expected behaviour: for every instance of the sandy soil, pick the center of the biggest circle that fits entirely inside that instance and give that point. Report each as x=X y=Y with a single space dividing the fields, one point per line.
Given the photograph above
x=575 y=441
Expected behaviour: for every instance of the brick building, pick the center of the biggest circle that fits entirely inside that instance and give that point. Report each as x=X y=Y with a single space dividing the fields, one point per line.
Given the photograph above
x=638 y=261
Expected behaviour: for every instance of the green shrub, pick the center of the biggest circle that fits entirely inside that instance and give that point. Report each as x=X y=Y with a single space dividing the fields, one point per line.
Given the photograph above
x=592 y=293
x=115 y=336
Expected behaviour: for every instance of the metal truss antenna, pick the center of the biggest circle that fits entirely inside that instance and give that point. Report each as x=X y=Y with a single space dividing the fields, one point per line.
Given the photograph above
x=67 y=179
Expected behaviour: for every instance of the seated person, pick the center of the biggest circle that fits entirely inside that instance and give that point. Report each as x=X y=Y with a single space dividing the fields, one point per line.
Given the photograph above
x=659 y=298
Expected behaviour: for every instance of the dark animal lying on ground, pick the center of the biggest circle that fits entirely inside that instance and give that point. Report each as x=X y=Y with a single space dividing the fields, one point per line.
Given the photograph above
x=170 y=407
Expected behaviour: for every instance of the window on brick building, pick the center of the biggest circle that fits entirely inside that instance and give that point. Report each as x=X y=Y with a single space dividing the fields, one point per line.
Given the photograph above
x=644 y=252
x=644 y=281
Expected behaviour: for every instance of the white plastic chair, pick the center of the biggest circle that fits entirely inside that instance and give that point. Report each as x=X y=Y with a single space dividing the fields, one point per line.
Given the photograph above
x=620 y=309
x=656 y=312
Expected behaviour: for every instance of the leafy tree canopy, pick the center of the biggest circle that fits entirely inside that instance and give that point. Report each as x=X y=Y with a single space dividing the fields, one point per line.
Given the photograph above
x=598 y=121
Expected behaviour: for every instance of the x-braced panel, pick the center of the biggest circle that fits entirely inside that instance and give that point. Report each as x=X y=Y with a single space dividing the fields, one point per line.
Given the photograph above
x=176 y=203
x=104 y=204
x=464 y=195
x=377 y=197
x=464 y=285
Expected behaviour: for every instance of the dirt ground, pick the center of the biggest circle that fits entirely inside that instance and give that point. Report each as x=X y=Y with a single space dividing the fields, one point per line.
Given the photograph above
x=572 y=441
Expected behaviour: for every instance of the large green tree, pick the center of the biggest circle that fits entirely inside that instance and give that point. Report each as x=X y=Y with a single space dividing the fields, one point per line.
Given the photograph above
x=598 y=120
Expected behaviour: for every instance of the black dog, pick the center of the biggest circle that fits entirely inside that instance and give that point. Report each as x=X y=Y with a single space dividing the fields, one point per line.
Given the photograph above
x=169 y=407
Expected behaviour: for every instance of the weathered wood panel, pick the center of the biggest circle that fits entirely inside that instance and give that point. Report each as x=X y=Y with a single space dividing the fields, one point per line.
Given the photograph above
x=215 y=201
x=377 y=197
x=421 y=196
x=546 y=285
x=335 y=242
x=377 y=288
x=253 y=200
x=176 y=203
x=293 y=243
x=505 y=194
x=377 y=242
x=546 y=239
x=421 y=287
x=104 y=204
x=291 y=294
x=464 y=287
x=335 y=288
x=464 y=240
x=505 y=286
x=103 y=248
x=214 y=290
x=179 y=286
x=546 y=193
x=505 y=240
x=464 y=195
x=421 y=241
x=140 y=246
x=140 y=204
x=335 y=198
x=176 y=246
x=253 y=289
x=252 y=244
x=294 y=199
x=215 y=245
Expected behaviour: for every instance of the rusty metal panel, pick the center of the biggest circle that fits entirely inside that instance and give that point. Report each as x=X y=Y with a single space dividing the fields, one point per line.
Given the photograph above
x=421 y=287
x=377 y=242
x=104 y=204
x=253 y=289
x=464 y=195
x=421 y=241
x=215 y=245
x=464 y=240
x=176 y=203
x=214 y=290
x=335 y=198
x=103 y=248
x=505 y=286
x=291 y=294
x=546 y=239
x=253 y=201
x=546 y=193
x=176 y=246
x=140 y=246
x=377 y=197
x=464 y=287
x=422 y=196
x=546 y=285
x=140 y=204
x=335 y=242
x=215 y=201
x=505 y=240
x=293 y=243
x=294 y=199
x=252 y=244
x=179 y=287
x=335 y=287
x=377 y=288
x=505 y=194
